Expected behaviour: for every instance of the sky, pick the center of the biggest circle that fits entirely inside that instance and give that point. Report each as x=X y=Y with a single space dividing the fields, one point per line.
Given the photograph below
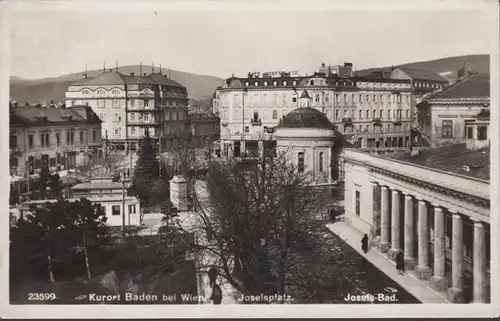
x=45 y=42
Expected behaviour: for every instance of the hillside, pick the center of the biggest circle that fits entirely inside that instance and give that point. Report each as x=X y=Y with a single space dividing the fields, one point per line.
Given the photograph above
x=446 y=67
x=43 y=90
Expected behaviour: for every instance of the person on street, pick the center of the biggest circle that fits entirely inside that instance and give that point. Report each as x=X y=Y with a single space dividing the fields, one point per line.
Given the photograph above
x=364 y=243
x=333 y=214
x=400 y=263
x=212 y=276
x=216 y=296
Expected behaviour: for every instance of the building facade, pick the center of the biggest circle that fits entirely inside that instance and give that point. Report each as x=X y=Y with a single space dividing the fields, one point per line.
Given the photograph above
x=306 y=137
x=59 y=138
x=374 y=112
x=204 y=127
x=434 y=206
x=128 y=105
x=442 y=116
x=422 y=81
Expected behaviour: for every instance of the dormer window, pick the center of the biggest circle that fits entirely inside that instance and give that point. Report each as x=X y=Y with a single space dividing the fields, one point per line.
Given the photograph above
x=256 y=83
x=265 y=83
x=295 y=82
x=246 y=84
x=275 y=83
x=100 y=92
x=86 y=92
x=115 y=92
x=312 y=83
x=284 y=83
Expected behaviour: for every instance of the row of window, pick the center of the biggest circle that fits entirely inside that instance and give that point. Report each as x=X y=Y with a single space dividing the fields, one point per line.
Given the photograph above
x=447 y=131
x=45 y=139
x=101 y=92
x=422 y=85
x=116 y=209
x=367 y=114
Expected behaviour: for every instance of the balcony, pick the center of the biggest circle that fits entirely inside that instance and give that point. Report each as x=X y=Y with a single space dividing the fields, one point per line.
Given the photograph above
x=347 y=121
x=16 y=150
x=255 y=122
x=396 y=121
x=377 y=122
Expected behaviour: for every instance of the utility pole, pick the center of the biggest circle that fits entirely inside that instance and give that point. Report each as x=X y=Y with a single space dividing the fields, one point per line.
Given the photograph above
x=123 y=204
x=160 y=153
x=28 y=176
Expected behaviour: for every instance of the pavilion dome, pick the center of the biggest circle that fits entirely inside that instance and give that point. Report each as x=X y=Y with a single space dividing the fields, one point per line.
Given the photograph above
x=305 y=118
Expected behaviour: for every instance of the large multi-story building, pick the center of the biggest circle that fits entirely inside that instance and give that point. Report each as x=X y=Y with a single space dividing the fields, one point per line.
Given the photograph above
x=53 y=137
x=128 y=105
x=373 y=111
x=443 y=115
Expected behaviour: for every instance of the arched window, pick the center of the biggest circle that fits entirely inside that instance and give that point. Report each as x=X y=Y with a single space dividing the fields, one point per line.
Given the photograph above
x=100 y=92
x=115 y=92
x=321 y=167
x=85 y=92
x=300 y=159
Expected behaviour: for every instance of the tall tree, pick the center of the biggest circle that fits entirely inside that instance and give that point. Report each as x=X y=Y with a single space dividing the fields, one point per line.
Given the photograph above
x=55 y=185
x=146 y=169
x=43 y=181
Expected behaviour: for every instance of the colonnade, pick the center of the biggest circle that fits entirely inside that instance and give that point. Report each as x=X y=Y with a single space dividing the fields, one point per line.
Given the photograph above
x=390 y=242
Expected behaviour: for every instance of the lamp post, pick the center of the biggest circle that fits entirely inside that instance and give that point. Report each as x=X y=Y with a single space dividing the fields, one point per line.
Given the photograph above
x=124 y=179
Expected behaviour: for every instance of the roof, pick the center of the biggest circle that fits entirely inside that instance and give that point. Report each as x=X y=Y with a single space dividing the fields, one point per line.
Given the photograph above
x=104 y=78
x=451 y=159
x=474 y=86
x=305 y=118
x=139 y=80
x=45 y=115
x=114 y=198
x=202 y=116
x=164 y=80
x=423 y=74
x=98 y=185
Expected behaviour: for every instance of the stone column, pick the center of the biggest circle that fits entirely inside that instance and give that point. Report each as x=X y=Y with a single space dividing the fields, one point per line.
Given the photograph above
x=423 y=269
x=260 y=147
x=410 y=261
x=480 y=281
x=438 y=281
x=375 y=210
x=395 y=226
x=384 y=219
x=456 y=293
x=243 y=149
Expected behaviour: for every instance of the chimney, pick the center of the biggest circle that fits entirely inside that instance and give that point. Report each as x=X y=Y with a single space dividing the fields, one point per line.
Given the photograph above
x=131 y=74
x=144 y=74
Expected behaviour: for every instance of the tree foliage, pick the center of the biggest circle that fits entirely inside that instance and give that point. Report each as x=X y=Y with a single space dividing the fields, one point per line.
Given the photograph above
x=43 y=181
x=261 y=220
x=56 y=232
x=146 y=169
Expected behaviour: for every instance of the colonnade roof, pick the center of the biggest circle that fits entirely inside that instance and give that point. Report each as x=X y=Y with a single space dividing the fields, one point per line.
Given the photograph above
x=451 y=159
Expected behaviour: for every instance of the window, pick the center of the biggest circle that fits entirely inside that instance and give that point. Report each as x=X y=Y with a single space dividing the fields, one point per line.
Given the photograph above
x=300 y=159
x=30 y=141
x=358 y=203
x=321 y=167
x=174 y=115
x=146 y=117
x=247 y=130
x=256 y=83
x=94 y=135
x=81 y=137
x=337 y=98
x=115 y=92
x=131 y=208
x=115 y=210
x=317 y=98
x=132 y=103
x=380 y=114
x=337 y=114
x=367 y=114
x=255 y=116
x=469 y=132
x=275 y=114
x=265 y=83
x=293 y=82
x=327 y=98
x=246 y=83
x=360 y=98
x=388 y=114
x=353 y=98
x=285 y=83
x=12 y=141
x=116 y=103
x=116 y=118
x=345 y=98
x=132 y=116
x=407 y=113
x=58 y=139
x=447 y=128
x=101 y=103
x=45 y=139
x=101 y=116
x=100 y=92
x=132 y=130
x=70 y=138
x=86 y=92
x=374 y=98
x=117 y=130
x=482 y=133
x=275 y=83
x=367 y=98
x=360 y=114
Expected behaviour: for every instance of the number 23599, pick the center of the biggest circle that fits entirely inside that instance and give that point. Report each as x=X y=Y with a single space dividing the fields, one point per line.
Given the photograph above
x=41 y=296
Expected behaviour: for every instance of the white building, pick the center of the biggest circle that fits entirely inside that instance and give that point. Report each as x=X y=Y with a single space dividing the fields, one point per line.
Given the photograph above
x=307 y=137
x=433 y=205
x=373 y=111
x=130 y=104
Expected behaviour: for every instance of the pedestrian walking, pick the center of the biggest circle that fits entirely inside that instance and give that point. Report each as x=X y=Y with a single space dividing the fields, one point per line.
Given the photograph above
x=400 y=263
x=212 y=276
x=216 y=296
x=364 y=243
x=333 y=214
